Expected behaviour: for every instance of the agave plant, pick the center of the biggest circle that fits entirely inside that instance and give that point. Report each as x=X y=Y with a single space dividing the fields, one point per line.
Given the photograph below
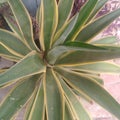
x=59 y=64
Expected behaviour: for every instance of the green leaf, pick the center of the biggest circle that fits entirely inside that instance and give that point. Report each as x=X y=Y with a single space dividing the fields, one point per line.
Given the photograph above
x=75 y=104
x=68 y=113
x=28 y=66
x=92 y=89
x=57 y=51
x=98 y=67
x=3 y=1
x=93 y=28
x=94 y=76
x=97 y=9
x=82 y=18
x=79 y=95
x=13 y=44
x=6 y=54
x=54 y=101
x=61 y=35
x=38 y=107
x=64 y=12
x=17 y=97
x=84 y=45
x=40 y=21
x=11 y=21
x=49 y=14
x=24 y=22
x=29 y=105
x=80 y=57
x=105 y=41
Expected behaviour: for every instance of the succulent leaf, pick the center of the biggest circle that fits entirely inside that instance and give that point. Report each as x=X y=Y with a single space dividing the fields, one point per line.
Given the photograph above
x=93 y=28
x=98 y=67
x=3 y=1
x=105 y=41
x=13 y=44
x=97 y=8
x=24 y=22
x=75 y=104
x=6 y=54
x=38 y=107
x=35 y=66
x=80 y=57
x=16 y=99
x=82 y=18
x=54 y=97
x=92 y=89
x=62 y=5
x=70 y=47
x=49 y=21
x=68 y=113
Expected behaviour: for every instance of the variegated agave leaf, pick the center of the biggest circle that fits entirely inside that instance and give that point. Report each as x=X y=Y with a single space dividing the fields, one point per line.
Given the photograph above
x=61 y=64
